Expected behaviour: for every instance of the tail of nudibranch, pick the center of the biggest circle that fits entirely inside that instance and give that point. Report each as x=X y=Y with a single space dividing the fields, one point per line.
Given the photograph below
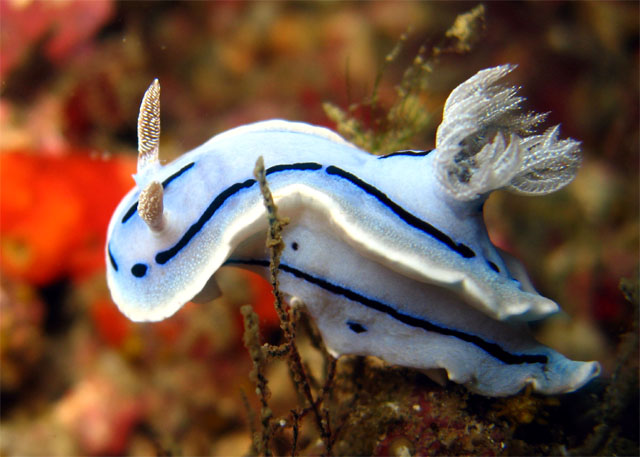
x=485 y=142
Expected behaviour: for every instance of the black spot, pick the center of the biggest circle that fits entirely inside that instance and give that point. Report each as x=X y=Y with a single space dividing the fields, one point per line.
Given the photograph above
x=294 y=246
x=493 y=266
x=139 y=270
x=355 y=327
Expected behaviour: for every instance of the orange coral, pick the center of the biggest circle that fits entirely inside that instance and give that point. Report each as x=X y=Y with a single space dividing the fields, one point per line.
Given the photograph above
x=54 y=213
x=113 y=327
x=261 y=298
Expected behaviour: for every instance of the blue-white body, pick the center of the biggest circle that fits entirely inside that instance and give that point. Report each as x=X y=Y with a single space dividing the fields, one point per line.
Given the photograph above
x=385 y=258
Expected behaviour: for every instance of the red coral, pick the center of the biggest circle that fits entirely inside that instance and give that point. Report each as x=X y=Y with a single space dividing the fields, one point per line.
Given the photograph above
x=261 y=299
x=113 y=327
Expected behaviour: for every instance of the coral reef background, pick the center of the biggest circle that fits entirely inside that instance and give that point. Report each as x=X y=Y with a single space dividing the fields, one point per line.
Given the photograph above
x=76 y=377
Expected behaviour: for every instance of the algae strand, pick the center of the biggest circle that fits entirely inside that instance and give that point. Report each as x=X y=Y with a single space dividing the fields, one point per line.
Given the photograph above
x=262 y=354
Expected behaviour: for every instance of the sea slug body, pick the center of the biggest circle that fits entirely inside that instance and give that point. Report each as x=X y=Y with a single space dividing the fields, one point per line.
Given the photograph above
x=389 y=254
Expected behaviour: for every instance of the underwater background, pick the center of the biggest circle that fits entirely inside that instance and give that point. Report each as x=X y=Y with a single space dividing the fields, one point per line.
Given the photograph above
x=78 y=378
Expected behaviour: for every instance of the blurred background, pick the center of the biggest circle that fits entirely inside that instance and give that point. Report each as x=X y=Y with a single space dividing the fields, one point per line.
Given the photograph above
x=77 y=377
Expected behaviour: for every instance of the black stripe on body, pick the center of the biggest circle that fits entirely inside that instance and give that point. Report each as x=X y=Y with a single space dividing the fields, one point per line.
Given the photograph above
x=406 y=152
x=490 y=348
x=165 y=183
x=112 y=259
x=130 y=212
x=462 y=249
x=164 y=256
x=295 y=166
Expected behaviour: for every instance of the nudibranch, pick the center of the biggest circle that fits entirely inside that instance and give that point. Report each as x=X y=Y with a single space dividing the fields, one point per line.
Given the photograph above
x=389 y=254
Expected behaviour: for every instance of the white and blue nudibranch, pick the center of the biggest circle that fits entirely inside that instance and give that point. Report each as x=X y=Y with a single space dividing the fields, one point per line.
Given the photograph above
x=389 y=254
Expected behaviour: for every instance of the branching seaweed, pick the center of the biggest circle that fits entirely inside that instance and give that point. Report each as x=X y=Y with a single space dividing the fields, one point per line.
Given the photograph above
x=407 y=116
x=262 y=354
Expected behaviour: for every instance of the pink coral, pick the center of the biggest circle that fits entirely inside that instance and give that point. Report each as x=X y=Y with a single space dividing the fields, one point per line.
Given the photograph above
x=62 y=26
x=99 y=416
